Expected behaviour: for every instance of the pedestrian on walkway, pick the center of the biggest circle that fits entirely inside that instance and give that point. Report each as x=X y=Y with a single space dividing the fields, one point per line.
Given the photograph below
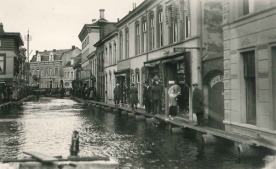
x=147 y=97
x=156 y=97
x=117 y=94
x=133 y=92
x=198 y=105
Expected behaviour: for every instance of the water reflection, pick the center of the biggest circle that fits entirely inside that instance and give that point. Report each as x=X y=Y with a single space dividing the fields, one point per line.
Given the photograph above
x=46 y=125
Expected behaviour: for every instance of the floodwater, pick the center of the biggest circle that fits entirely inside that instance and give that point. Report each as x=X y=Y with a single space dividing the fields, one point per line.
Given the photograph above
x=46 y=126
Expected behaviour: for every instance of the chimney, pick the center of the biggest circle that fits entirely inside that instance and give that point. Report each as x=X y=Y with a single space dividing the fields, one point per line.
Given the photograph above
x=73 y=47
x=54 y=50
x=36 y=52
x=118 y=19
x=1 y=28
x=102 y=13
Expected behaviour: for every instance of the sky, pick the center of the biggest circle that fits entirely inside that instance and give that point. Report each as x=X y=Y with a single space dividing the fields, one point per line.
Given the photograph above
x=56 y=24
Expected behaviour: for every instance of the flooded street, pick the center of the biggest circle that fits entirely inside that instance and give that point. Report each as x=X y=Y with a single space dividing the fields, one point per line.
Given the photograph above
x=46 y=126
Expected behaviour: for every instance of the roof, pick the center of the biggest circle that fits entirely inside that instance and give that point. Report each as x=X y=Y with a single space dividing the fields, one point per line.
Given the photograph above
x=83 y=34
x=45 y=55
x=133 y=12
x=15 y=35
x=107 y=37
x=68 y=64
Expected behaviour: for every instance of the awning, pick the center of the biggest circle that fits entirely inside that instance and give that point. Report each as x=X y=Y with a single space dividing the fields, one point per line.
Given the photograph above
x=172 y=57
x=122 y=72
x=172 y=60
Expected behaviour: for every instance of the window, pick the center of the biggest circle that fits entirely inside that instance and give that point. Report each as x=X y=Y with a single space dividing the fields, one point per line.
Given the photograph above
x=37 y=72
x=187 y=26
x=46 y=72
x=175 y=31
x=151 y=40
x=138 y=82
x=248 y=6
x=2 y=63
x=41 y=71
x=72 y=75
x=121 y=46
x=160 y=28
x=68 y=75
x=137 y=39
x=110 y=54
x=132 y=78
x=50 y=73
x=250 y=84
x=127 y=43
x=0 y=43
x=144 y=36
x=56 y=71
x=114 y=54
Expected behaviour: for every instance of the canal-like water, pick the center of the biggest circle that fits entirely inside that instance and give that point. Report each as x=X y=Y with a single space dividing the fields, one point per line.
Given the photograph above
x=46 y=126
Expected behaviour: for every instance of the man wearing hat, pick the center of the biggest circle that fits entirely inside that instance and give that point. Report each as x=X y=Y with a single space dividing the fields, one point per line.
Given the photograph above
x=117 y=94
x=198 y=105
x=147 y=97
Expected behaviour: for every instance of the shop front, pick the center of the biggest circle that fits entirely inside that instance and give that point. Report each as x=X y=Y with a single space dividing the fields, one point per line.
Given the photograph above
x=123 y=78
x=173 y=75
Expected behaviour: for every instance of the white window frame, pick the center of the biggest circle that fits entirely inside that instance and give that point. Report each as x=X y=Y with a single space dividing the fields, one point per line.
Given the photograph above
x=160 y=22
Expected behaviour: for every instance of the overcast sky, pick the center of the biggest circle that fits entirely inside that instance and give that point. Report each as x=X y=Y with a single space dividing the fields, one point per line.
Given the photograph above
x=55 y=24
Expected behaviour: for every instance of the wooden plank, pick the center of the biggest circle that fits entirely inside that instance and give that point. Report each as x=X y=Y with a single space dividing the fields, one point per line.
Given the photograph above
x=41 y=157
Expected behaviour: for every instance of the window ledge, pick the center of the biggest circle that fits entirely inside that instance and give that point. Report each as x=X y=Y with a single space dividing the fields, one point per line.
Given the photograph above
x=249 y=126
x=163 y=47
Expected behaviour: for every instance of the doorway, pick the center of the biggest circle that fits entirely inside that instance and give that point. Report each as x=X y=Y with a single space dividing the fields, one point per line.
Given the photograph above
x=216 y=100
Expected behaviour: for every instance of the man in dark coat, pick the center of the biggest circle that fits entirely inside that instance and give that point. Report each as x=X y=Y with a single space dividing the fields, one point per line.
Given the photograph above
x=147 y=97
x=117 y=94
x=156 y=97
x=133 y=92
x=198 y=105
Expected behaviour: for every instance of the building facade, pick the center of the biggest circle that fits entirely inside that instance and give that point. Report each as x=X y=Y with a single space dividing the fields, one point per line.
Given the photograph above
x=88 y=36
x=249 y=68
x=105 y=29
x=11 y=58
x=166 y=41
x=47 y=67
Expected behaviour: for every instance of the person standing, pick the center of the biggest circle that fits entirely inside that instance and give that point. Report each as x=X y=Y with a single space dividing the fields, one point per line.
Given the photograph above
x=156 y=97
x=198 y=105
x=147 y=97
x=133 y=92
x=117 y=94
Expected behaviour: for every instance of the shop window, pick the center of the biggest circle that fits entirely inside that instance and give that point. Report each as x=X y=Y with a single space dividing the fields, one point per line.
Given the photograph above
x=127 y=43
x=250 y=85
x=160 y=28
x=151 y=33
x=137 y=39
x=144 y=36
x=138 y=82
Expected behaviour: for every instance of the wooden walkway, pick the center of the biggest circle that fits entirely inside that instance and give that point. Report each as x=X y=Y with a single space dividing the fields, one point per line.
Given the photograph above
x=182 y=123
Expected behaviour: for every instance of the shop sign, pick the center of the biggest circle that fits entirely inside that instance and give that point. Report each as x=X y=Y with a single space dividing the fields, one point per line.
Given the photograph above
x=179 y=49
x=171 y=82
x=215 y=80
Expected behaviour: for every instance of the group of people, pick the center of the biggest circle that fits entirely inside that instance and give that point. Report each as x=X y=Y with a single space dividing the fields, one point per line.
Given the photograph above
x=9 y=93
x=84 y=92
x=152 y=97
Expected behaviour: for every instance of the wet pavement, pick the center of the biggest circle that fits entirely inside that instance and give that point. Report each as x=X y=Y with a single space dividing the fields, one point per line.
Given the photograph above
x=46 y=126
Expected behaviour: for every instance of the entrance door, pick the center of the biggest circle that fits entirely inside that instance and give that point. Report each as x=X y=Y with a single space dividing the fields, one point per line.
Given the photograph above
x=216 y=102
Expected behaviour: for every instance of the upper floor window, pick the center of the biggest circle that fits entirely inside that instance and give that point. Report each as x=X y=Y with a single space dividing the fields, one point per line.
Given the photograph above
x=121 y=46
x=0 y=43
x=175 y=31
x=137 y=39
x=37 y=72
x=110 y=54
x=248 y=6
x=72 y=75
x=151 y=39
x=127 y=43
x=50 y=73
x=144 y=36
x=160 y=28
x=56 y=71
x=2 y=63
x=114 y=54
